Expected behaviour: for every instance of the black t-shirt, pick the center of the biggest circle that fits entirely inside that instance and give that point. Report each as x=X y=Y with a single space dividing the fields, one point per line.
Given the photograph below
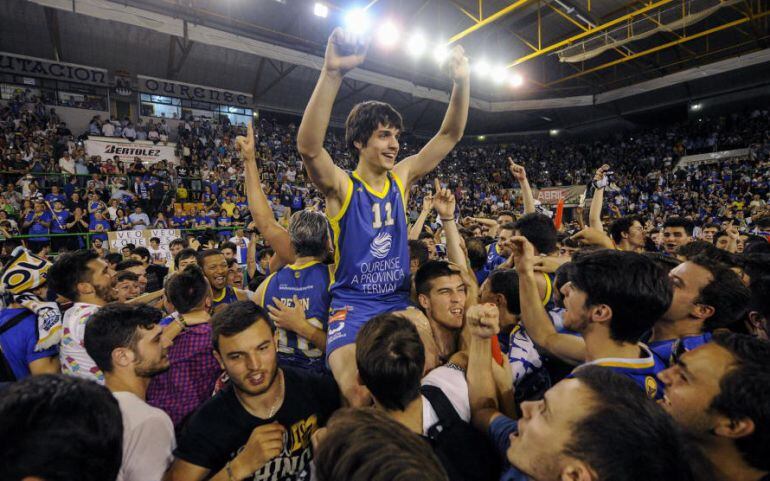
x=219 y=429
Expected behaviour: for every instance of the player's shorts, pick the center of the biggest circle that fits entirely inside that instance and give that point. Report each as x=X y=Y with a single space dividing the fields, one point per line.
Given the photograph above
x=344 y=322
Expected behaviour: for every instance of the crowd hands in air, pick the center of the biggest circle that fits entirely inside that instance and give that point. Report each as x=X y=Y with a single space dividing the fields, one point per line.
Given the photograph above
x=490 y=339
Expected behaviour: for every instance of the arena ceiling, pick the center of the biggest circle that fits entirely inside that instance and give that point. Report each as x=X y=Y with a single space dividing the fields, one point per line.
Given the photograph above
x=583 y=61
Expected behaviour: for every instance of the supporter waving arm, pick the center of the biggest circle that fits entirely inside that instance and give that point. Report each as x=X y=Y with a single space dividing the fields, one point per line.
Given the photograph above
x=483 y=323
x=330 y=179
x=533 y=314
x=444 y=203
x=416 y=229
x=452 y=128
x=595 y=213
x=261 y=213
x=520 y=174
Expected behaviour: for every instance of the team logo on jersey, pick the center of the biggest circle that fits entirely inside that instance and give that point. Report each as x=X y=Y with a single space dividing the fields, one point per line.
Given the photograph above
x=381 y=244
x=651 y=386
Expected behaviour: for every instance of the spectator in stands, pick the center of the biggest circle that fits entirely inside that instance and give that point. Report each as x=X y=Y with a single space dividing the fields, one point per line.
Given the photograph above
x=155 y=273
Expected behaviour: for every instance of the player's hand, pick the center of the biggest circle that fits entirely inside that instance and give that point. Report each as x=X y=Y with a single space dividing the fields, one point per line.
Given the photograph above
x=523 y=253
x=289 y=318
x=483 y=320
x=264 y=444
x=732 y=231
x=517 y=171
x=443 y=202
x=344 y=51
x=549 y=264
x=245 y=145
x=591 y=236
x=457 y=65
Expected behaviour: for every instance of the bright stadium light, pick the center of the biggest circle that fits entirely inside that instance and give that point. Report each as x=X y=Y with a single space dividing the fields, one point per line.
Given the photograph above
x=516 y=80
x=388 y=34
x=320 y=10
x=482 y=68
x=695 y=107
x=357 y=21
x=416 y=45
x=554 y=132
x=441 y=53
x=499 y=74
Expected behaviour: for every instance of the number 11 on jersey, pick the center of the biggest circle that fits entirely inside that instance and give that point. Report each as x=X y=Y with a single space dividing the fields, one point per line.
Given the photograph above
x=376 y=210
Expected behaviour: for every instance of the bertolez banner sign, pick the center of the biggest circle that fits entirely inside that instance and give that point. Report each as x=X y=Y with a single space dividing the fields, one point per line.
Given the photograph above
x=147 y=152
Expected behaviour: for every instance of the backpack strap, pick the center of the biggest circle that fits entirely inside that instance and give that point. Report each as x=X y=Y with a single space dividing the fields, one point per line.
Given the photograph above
x=447 y=416
x=15 y=320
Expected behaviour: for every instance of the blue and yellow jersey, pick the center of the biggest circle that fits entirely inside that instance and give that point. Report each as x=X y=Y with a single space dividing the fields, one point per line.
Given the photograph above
x=371 y=258
x=310 y=283
x=228 y=296
x=643 y=371
x=667 y=351
x=494 y=258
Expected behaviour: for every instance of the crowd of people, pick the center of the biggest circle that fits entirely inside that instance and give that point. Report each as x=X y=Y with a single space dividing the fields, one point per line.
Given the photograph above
x=331 y=313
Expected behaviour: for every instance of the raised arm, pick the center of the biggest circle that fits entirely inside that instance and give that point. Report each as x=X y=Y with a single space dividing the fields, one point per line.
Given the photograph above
x=483 y=323
x=452 y=128
x=259 y=207
x=416 y=229
x=444 y=203
x=520 y=174
x=595 y=213
x=330 y=179
x=533 y=314
x=494 y=227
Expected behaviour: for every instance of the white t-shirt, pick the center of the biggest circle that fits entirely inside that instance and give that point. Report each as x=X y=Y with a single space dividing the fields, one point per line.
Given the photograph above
x=148 y=439
x=74 y=359
x=67 y=165
x=452 y=383
x=108 y=130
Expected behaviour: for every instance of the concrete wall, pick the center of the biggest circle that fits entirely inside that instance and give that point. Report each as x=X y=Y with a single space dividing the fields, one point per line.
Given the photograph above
x=77 y=119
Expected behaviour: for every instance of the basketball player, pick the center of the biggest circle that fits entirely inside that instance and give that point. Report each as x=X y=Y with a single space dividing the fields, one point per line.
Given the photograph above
x=214 y=266
x=367 y=208
x=297 y=296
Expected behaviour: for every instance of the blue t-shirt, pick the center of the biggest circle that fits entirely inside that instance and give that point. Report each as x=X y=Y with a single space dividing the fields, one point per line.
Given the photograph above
x=18 y=343
x=37 y=228
x=92 y=226
x=59 y=222
x=51 y=198
x=500 y=431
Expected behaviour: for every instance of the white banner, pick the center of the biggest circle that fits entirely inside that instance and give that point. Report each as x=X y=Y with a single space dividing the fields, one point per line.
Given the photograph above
x=711 y=157
x=118 y=239
x=148 y=152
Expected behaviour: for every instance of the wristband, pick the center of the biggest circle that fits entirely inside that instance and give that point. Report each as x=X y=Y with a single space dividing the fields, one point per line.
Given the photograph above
x=447 y=220
x=180 y=320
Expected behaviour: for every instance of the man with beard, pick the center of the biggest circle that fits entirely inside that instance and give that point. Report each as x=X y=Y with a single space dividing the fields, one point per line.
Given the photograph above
x=261 y=423
x=126 y=343
x=87 y=281
x=708 y=296
x=720 y=394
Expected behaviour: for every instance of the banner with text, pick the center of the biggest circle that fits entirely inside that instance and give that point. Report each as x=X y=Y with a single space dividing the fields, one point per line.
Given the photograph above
x=172 y=88
x=119 y=239
x=109 y=147
x=551 y=195
x=38 y=67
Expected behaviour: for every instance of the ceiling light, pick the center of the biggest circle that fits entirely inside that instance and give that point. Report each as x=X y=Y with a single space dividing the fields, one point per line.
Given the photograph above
x=357 y=21
x=516 y=80
x=320 y=10
x=388 y=34
x=416 y=45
